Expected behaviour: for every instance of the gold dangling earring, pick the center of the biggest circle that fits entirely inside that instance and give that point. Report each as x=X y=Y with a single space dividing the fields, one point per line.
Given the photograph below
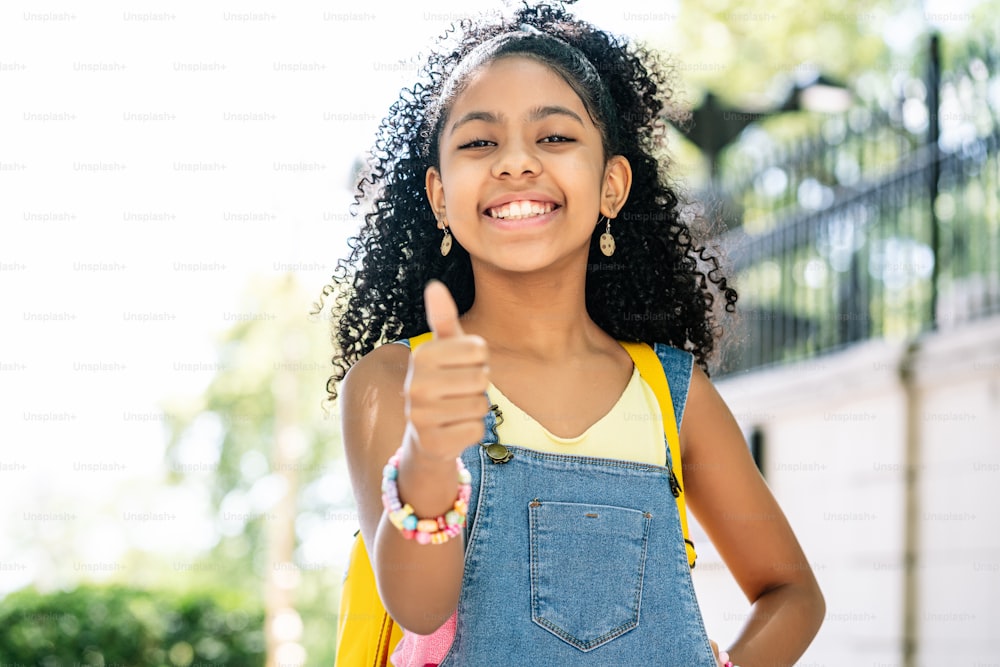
x=446 y=241
x=607 y=240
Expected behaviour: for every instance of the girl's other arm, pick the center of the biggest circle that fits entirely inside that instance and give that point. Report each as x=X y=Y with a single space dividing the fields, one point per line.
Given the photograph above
x=740 y=515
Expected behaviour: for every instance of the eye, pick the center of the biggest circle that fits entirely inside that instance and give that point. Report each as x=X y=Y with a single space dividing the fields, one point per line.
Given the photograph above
x=476 y=143
x=556 y=139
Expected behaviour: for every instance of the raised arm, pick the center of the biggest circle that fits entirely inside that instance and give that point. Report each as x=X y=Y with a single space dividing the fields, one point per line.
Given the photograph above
x=432 y=404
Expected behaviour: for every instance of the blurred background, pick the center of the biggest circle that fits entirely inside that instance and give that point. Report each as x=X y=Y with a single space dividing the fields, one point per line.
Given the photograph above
x=174 y=192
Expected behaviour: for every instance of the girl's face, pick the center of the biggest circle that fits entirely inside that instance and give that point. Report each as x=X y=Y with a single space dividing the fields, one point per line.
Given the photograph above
x=522 y=176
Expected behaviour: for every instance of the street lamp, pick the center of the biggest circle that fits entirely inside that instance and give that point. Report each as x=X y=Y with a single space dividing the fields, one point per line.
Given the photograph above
x=713 y=125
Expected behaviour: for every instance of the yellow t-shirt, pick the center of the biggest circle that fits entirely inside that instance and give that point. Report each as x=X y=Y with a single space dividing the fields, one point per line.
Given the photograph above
x=632 y=430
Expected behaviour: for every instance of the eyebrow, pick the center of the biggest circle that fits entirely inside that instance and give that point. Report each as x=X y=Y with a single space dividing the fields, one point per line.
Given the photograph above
x=535 y=115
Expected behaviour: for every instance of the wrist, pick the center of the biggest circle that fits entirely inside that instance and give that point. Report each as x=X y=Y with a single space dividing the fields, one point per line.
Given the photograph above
x=413 y=456
x=402 y=514
x=416 y=456
x=427 y=485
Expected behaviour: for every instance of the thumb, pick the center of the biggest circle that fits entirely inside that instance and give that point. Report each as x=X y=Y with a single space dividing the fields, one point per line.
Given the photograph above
x=441 y=311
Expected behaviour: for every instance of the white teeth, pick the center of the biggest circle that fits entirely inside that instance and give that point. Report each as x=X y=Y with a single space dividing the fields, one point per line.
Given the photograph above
x=521 y=209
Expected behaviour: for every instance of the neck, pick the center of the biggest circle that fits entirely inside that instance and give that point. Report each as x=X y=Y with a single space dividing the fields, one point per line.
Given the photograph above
x=537 y=315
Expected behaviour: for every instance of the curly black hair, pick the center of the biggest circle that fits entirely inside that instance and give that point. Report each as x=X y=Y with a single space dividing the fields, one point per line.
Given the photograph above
x=662 y=283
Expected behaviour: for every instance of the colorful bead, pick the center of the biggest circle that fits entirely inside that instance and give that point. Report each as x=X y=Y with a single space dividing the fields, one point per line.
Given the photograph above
x=427 y=526
x=425 y=531
x=386 y=502
x=724 y=659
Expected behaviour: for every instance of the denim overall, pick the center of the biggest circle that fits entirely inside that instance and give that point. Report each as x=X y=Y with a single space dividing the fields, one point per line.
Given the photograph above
x=576 y=560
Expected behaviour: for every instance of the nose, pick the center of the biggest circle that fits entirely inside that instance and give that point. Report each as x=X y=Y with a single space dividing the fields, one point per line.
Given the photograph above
x=516 y=158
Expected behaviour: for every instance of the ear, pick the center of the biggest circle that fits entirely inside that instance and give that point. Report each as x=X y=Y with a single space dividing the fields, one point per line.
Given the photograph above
x=616 y=186
x=435 y=193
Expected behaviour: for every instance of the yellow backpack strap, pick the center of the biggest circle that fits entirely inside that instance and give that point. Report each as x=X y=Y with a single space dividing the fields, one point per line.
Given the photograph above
x=651 y=370
x=422 y=338
x=366 y=634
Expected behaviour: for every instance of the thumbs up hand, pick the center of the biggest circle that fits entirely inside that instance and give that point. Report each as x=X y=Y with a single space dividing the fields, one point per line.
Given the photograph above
x=445 y=383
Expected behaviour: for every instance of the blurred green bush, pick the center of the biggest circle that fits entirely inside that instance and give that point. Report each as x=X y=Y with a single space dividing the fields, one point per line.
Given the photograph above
x=116 y=626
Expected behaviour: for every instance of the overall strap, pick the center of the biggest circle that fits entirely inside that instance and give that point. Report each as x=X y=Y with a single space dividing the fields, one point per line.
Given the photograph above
x=651 y=370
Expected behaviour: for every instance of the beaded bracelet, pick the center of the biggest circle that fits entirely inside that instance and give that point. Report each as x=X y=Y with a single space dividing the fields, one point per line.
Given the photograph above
x=724 y=659
x=425 y=531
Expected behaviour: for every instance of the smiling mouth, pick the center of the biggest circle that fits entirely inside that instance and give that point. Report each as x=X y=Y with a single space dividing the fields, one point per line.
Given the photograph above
x=520 y=210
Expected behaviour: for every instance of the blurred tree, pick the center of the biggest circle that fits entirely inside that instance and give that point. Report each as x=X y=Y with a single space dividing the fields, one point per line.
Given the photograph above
x=114 y=625
x=751 y=52
x=750 y=55
x=258 y=436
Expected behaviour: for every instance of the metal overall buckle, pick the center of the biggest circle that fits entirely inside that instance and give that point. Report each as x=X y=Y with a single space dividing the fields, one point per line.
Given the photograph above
x=498 y=453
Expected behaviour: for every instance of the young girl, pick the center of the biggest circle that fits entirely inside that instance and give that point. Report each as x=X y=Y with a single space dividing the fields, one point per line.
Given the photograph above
x=520 y=212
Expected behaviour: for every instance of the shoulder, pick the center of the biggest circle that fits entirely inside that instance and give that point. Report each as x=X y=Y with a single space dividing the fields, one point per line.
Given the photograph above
x=707 y=412
x=374 y=383
x=385 y=363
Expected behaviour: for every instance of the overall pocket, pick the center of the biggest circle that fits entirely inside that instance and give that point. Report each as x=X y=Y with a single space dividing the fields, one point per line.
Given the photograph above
x=587 y=564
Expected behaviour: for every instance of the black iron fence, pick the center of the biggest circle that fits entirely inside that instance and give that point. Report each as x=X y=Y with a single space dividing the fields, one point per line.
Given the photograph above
x=880 y=224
